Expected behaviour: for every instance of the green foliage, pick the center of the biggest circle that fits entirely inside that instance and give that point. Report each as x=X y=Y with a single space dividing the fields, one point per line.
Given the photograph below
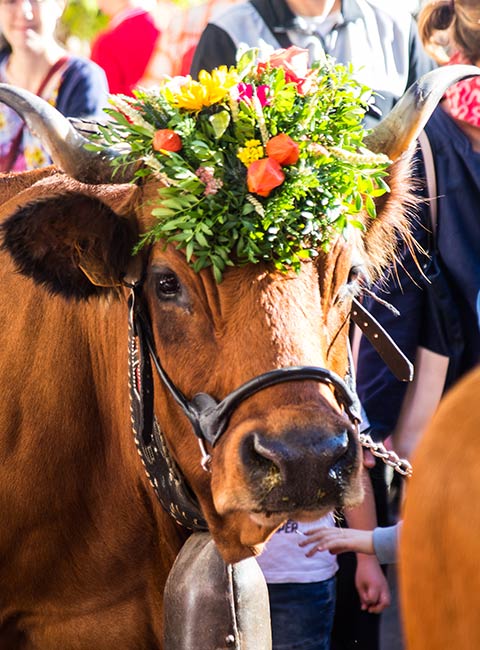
x=204 y=205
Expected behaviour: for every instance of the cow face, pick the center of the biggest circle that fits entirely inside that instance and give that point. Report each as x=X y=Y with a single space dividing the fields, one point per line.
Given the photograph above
x=288 y=450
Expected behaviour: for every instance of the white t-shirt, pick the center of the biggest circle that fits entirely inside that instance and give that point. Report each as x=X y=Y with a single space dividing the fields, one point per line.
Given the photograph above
x=283 y=560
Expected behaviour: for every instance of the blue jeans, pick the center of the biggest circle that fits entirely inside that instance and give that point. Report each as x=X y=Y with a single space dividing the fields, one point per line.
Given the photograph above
x=302 y=614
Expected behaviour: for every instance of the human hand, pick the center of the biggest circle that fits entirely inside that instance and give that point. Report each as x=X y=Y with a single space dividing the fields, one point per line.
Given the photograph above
x=371 y=584
x=338 y=540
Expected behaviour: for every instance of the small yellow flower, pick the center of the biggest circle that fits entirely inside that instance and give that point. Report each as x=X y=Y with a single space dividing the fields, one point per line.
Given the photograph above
x=35 y=157
x=208 y=90
x=3 y=121
x=251 y=152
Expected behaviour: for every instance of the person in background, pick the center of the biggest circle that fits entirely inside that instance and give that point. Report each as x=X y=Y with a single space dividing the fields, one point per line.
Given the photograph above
x=439 y=332
x=301 y=591
x=33 y=59
x=435 y=290
x=382 y=44
x=125 y=48
x=174 y=49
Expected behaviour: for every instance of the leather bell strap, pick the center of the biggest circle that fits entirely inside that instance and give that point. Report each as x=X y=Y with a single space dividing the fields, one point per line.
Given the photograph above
x=383 y=343
x=168 y=482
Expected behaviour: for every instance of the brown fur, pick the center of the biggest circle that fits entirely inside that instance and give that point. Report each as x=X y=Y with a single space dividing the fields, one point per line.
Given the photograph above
x=84 y=546
x=440 y=559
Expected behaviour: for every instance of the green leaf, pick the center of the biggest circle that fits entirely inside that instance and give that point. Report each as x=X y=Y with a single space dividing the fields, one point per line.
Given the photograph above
x=246 y=59
x=220 y=122
x=201 y=239
x=175 y=204
x=189 y=250
x=357 y=224
x=217 y=274
x=163 y=212
x=370 y=207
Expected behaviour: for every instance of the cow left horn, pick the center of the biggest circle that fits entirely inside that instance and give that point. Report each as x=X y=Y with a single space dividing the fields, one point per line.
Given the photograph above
x=65 y=144
x=401 y=127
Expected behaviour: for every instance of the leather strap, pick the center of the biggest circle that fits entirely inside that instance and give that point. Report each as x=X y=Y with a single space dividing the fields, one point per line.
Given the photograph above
x=167 y=480
x=431 y=179
x=383 y=343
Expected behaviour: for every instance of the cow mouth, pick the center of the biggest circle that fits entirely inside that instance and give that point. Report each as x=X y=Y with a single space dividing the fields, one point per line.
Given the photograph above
x=269 y=518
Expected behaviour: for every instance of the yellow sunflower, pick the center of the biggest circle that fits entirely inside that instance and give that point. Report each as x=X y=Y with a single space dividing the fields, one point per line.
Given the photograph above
x=209 y=89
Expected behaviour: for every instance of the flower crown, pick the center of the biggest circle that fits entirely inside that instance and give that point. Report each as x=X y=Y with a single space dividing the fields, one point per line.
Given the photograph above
x=259 y=162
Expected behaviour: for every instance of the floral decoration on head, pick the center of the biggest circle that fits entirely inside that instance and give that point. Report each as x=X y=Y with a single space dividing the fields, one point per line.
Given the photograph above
x=259 y=162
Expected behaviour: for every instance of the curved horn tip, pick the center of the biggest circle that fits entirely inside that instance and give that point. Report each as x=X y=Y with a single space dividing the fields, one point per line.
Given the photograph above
x=399 y=130
x=65 y=144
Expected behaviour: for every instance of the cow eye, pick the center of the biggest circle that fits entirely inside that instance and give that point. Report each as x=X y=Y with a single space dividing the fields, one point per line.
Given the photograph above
x=168 y=285
x=358 y=274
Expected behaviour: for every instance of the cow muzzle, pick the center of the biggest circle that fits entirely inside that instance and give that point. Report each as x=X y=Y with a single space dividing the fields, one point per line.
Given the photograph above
x=302 y=471
x=296 y=463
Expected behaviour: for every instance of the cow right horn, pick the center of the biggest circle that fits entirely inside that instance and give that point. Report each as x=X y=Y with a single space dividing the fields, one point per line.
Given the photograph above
x=401 y=127
x=65 y=144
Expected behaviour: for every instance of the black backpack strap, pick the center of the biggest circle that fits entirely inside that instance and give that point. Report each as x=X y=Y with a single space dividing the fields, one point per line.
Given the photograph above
x=277 y=16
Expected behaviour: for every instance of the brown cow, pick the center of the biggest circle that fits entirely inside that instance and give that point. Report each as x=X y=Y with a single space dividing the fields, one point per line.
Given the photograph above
x=85 y=547
x=440 y=558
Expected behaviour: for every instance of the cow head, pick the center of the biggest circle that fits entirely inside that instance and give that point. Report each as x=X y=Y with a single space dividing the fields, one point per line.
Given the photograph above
x=289 y=450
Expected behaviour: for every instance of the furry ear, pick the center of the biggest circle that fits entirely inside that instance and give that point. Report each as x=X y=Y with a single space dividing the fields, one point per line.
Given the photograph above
x=73 y=244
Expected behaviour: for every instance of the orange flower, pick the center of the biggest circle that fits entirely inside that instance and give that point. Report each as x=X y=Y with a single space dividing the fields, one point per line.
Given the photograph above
x=263 y=176
x=166 y=140
x=283 y=149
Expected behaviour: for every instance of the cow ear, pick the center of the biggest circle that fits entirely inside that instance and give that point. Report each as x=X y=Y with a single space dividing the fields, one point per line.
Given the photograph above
x=73 y=244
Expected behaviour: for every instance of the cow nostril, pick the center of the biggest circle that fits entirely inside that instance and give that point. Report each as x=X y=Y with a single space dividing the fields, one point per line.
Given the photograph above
x=336 y=447
x=277 y=457
x=270 y=449
x=263 y=457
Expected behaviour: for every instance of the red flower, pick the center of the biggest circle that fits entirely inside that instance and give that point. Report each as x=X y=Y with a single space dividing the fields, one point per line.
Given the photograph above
x=294 y=61
x=166 y=140
x=283 y=149
x=263 y=176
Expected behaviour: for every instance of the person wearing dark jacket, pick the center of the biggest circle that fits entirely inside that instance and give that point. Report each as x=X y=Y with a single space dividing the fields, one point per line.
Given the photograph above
x=436 y=293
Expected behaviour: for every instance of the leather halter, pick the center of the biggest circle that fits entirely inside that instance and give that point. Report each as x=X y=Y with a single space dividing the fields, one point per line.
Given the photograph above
x=208 y=417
